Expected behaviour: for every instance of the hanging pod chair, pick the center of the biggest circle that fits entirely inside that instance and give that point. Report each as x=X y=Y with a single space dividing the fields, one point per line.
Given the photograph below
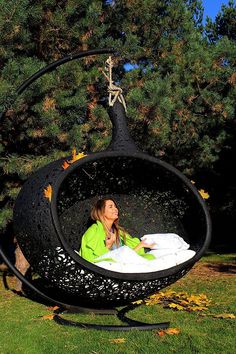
x=153 y=197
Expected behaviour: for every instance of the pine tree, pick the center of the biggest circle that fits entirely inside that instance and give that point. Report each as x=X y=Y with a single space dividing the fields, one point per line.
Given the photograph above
x=221 y=33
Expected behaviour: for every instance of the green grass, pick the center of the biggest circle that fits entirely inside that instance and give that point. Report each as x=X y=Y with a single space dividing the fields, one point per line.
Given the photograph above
x=23 y=331
x=216 y=257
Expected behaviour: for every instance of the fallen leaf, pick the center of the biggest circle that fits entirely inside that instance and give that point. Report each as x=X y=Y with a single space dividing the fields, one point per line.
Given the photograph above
x=172 y=331
x=117 y=340
x=138 y=302
x=53 y=308
x=169 y=331
x=65 y=165
x=160 y=333
x=76 y=156
x=47 y=317
x=184 y=303
x=175 y=306
x=48 y=192
x=225 y=315
x=204 y=194
x=197 y=308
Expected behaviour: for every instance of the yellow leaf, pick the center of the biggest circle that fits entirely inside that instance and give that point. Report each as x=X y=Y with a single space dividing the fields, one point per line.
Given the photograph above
x=117 y=340
x=48 y=192
x=137 y=302
x=73 y=153
x=184 y=303
x=80 y=155
x=204 y=194
x=175 y=306
x=76 y=156
x=195 y=299
x=225 y=315
x=172 y=331
x=197 y=308
x=47 y=317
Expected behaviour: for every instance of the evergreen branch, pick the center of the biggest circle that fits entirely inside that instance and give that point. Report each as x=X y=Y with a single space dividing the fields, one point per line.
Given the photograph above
x=12 y=10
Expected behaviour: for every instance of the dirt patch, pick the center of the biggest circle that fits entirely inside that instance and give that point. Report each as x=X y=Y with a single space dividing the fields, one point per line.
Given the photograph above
x=227 y=269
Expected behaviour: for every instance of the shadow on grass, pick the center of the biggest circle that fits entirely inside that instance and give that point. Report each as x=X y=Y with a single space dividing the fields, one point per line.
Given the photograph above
x=229 y=268
x=221 y=263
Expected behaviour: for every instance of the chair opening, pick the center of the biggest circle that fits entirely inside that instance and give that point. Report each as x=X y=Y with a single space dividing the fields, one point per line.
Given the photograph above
x=151 y=199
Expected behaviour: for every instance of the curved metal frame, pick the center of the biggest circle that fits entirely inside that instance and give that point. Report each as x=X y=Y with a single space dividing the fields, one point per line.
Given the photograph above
x=53 y=66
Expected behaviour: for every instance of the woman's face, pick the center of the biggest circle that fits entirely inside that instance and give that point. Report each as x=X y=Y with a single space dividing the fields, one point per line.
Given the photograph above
x=110 y=212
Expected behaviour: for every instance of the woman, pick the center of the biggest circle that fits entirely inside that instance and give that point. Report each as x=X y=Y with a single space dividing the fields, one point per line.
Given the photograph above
x=106 y=235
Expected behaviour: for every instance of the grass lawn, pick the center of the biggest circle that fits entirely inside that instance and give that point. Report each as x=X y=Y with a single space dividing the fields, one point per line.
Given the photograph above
x=23 y=330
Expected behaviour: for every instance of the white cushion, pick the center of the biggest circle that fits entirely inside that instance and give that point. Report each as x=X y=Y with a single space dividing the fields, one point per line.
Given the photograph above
x=166 y=240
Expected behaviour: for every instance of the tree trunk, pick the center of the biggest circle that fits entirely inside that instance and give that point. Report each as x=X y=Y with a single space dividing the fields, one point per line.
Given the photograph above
x=21 y=264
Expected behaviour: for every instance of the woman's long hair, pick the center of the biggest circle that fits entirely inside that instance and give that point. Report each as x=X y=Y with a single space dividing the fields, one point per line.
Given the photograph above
x=97 y=213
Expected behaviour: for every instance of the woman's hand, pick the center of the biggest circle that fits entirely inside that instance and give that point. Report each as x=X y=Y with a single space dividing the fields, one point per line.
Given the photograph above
x=109 y=240
x=144 y=244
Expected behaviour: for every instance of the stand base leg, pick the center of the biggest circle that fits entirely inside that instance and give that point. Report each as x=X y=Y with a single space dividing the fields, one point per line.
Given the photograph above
x=130 y=324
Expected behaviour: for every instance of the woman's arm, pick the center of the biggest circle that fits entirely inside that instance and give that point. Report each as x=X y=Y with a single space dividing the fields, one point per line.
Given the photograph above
x=92 y=244
x=143 y=244
x=137 y=245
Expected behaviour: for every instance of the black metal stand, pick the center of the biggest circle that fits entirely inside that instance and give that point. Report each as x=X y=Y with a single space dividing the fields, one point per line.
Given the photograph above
x=121 y=314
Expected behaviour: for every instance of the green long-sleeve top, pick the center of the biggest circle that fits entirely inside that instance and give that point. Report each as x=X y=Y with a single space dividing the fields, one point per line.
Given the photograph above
x=93 y=243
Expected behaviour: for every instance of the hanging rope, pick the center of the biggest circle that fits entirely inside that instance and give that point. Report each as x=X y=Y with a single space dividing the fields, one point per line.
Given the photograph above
x=114 y=91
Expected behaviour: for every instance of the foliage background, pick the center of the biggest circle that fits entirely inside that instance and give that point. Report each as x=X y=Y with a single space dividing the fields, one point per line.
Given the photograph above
x=180 y=92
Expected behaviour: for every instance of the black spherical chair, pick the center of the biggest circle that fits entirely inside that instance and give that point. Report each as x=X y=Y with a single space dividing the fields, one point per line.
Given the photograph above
x=152 y=195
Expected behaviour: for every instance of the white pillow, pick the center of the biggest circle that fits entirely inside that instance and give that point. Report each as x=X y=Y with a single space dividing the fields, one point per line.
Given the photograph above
x=166 y=240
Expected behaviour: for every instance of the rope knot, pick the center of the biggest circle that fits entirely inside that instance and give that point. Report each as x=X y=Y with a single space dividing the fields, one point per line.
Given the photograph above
x=115 y=92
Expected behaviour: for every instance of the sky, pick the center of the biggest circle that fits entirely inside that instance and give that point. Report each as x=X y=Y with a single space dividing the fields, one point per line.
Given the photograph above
x=212 y=7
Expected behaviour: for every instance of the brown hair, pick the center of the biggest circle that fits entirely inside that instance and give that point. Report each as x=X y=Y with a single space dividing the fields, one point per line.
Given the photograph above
x=97 y=213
